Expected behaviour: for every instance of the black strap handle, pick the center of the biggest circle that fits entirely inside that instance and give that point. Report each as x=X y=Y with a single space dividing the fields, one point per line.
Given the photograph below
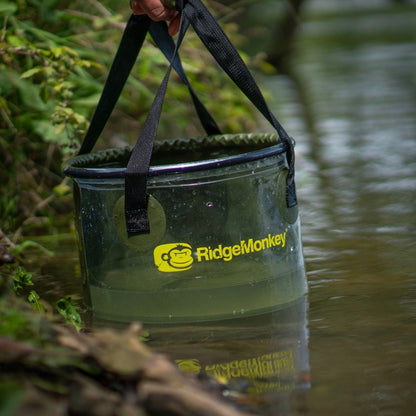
x=213 y=37
x=132 y=41
x=130 y=45
x=159 y=32
x=136 y=198
x=217 y=42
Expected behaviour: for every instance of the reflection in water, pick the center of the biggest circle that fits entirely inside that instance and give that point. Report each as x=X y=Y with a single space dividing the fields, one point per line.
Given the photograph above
x=263 y=357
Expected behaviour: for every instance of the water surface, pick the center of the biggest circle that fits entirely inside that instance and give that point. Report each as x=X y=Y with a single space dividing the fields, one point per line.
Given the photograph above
x=356 y=91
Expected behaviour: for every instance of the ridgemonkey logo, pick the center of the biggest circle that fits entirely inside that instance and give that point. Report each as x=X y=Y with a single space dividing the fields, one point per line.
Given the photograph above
x=175 y=257
x=178 y=257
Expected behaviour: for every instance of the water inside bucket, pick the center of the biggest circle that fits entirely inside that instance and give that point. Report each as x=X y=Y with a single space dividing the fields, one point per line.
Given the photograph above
x=247 y=288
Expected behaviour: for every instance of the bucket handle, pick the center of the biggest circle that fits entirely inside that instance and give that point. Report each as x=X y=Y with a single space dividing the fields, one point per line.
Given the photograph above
x=136 y=197
x=220 y=47
x=130 y=45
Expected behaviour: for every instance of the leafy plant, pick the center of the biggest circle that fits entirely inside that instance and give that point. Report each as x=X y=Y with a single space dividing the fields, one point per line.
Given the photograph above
x=35 y=300
x=21 y=279
x=68 y=311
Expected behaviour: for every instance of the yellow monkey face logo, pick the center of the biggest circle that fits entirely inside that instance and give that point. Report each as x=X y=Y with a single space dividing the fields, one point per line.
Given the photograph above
x=175 y=257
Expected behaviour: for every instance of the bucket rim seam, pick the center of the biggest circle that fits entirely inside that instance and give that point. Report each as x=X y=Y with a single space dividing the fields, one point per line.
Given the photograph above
x=73 y=167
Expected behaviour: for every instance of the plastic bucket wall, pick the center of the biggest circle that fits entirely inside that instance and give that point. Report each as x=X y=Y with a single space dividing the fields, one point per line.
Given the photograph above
x=223 y=243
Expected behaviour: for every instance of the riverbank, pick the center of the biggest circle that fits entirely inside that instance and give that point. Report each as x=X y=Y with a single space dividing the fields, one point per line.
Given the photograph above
x=50 y=368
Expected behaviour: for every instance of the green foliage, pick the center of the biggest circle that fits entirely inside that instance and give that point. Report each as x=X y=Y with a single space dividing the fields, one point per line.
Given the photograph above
x=8 y=209
x=41 y=73
x=21 y=279
x=16 y=324
x=17 y=321
x=35 y=301
x=38 y=76
x=68 y=311
x=145 y=336
x=13 y=318
x=11 y=395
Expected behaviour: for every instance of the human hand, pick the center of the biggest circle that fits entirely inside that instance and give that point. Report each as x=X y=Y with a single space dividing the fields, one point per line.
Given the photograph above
x=157 y=11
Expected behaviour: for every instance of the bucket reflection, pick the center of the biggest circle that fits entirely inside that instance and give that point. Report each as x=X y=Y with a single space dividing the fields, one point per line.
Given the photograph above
x=260 y=360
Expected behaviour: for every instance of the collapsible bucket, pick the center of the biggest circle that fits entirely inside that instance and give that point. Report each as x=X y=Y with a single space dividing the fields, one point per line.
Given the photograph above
x=210 y=229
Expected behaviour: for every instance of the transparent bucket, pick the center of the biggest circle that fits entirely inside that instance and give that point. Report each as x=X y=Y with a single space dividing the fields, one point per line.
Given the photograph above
x=222 y=241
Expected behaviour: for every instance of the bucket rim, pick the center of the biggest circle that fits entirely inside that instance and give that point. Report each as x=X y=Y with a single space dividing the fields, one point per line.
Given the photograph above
x=77 y=166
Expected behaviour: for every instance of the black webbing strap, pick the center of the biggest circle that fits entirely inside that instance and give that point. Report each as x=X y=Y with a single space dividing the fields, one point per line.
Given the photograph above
x=130 y=45
x=160 y=35
x=217 y=42
x=136 y=198
x=194 y=13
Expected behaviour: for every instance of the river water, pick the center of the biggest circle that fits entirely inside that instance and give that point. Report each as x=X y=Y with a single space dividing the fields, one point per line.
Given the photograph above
x=355 y=91
x=349 y=348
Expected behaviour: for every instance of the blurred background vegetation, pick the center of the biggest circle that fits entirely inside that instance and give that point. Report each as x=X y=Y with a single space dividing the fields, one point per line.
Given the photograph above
x=54 y=57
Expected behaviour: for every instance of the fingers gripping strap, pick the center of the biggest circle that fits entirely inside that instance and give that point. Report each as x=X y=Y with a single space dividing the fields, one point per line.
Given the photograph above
x=136 y=198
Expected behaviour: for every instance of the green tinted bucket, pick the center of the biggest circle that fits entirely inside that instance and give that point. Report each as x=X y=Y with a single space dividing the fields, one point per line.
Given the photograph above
x=222 y=244
x=192 y=229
